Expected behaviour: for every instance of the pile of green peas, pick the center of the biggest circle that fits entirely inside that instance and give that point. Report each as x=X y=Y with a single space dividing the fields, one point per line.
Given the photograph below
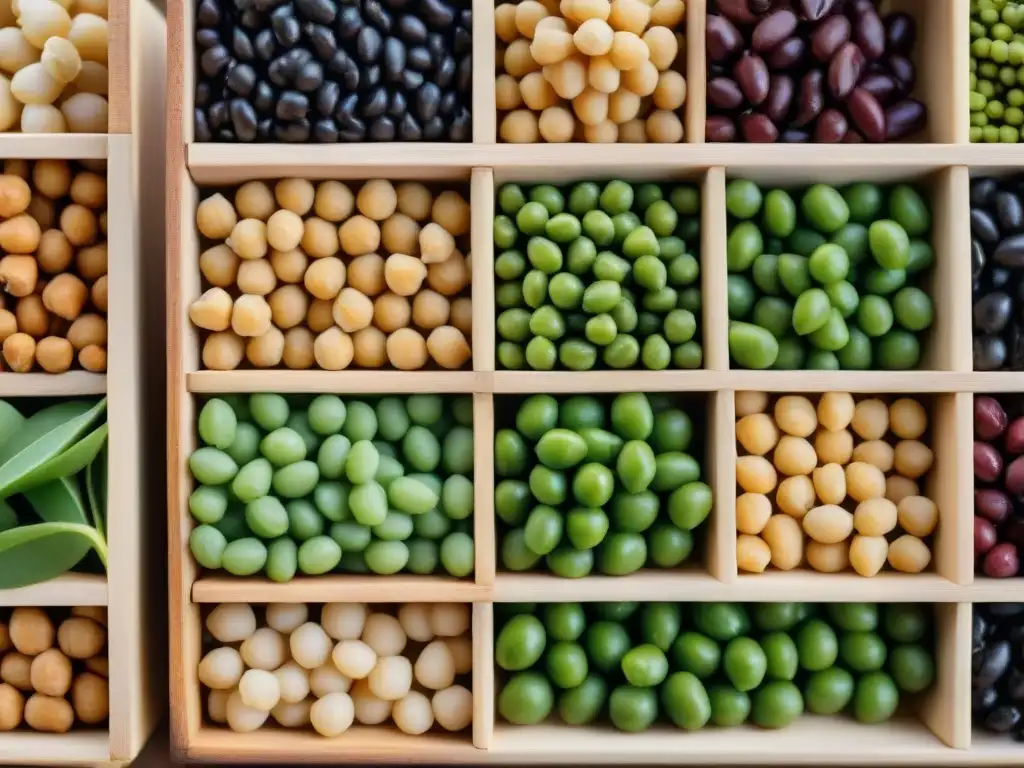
x=997 y=71
x=585 y=484
x=830 y=282
x=590 y=277
x=696 y=664
x=313 y=484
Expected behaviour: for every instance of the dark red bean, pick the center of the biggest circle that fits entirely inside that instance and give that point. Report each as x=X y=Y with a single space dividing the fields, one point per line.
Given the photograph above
x=902 y=69
x=724 y=93
x=773 y=30
x=788 y=54
x=760 y=7
x=845 y=70
x=869 y=34
x=831 y=127
x=828 y=36
x=992 y=504
x=882 y=87
x=737 y=10
x=816 y=9
x=723 y=39
x=1015 y=476
x=988 y=464
x=758 y=129
x=1001 y=562
x=780 y=98
x=1015 y=437
x=794 y=136
x=863 y=6
x=900 y=32
x=752 y=76
x=867 y=114
x=904 y=118
x=984 y=536
x=990 y=418
x=719 y=128
x=812 y=98
x=853 y=137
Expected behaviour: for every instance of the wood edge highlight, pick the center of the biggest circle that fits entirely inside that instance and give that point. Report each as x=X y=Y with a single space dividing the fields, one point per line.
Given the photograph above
x=342 y=588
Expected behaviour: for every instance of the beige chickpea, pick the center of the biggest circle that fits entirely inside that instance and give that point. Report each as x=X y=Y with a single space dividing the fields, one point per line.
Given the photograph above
x=642 y=80
x=222 y=351
x=414 y=200
x=551 y=45
x=32 y=316
x=436 y=244
x=623 y=107
x=908 y=419
x=285 y=230
x=834 y=447
x=591 y=106
x=794 y=456
x=518 y=59
x=50 y=673
x=12 y=707
x=450 y=276
x=918 y=515
x=519 y=127
x=248 y=239
x=256 y=276
x=451 y=211
x=333 y=201
x=298 y=348
x=98 y=294
x=556 y=125
x=752 y=512
x=400 y=234
x=602 y=75
x=289 y=266
x=795 y=415
x=91 y=328
x=333 y=349
x=430 y=309
x=93 y=77
x=828 y=523
x=876 y=452
x=21 y=234
x=908 y=554
x=796 y=496
x=404 y=274
x=632 y=131
x=80 y=637
x=19 y=351
x=44 y=211
x=219 y=265
x=912 y=458
x=320 y=238
x=366 y=274
x=783 y=536
x=757 y=433
x=254 y=200
x=661 y=42
x=664 y=127
x=359 y=235
x=49 y=714
x=752 y=553
x=668 y=13
x=537 y=92
x=352 y=310
x=448 y=347
x=251 y=315
x=749 y=402
x=52 y=178
x=670 y=92
x=97 y=613
x=755 y=474
x=15 y=670
x=267 y=350
x=90 y=698
x=91 y=262
x=629 y=16
x=8 y=326
x=835 y=410
x=369 y=346
x=406 y=349
x=19 y=274
x=94 y=358
x=505 y=22
x=391 y=312
x=830 y=483
x=79 y=224
x=90 y=189
x=875 y=517
x=216 y=217
x=527 y=14
x=377 y=199
x=85 y=112
x=325 y=277
x=628 y=51
x=864 y=481
x=31 y=630
x=288 y=306
x=506 y=93
x=898 y=488
x=297 y=195
x=319 y=316
x=828 y=558
x=18 y=167
x=15 y=195
x=98 y=665
x=871 y=419
x=54 y=354
x=461 y=315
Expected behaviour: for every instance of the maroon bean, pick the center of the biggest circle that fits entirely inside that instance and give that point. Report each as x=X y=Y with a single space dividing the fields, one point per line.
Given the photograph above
x=773 y=30
x=760 y=7
x=1013 y=531
x=758 y=129
x=719 y=128
x=831 y=127
x=863 y=6
x=883 y=87
x=992 y=504
x=737 y=10
x=1001 y=562
x=904 y=118
x=794 y=136
x=867 y=114
x=1015 y=476
x=751 y=74
x=780 y=98
x=869 y=34
x=984 y=536
x=788 y=54
x=853 y=137
x=723 y=38
x=812 y=98
x=990 y=419
x=813 y=10
x=988 y=464
x=845 y=69
x=902 y=69
x=900 y=32
x=723 y=93
x=828 y=36
x=1015 y=437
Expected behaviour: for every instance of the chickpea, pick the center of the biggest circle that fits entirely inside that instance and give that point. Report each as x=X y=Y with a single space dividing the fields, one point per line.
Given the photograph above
x=325 y=277
x=251 y=315
x=369 y=347
x=391 y=312
x=334 y=201
x=668 y=13
x=319 y=316
x=359 y=235
x=450 y=276
x=90 y=189
x=918 y=515
x=254 y=200
x=21 y=234
x=406 y=349
x=752 y=554
x=219 y=265
x=796 y=496
x=784 y=538
x=91 y=328
x=670 y=92
x=15 y=195
x=913 y=458
x=50 y=673
x=830 y=483
x=553 y=21
x=256 y=276
x=505 y=22
x=794 y=456
x=796 y=416
x=752 y=512
x=216 y=217
x=871 y=419
x=377 y=199
x=908 y=419
x=875 y=517
x=748 y=403
x=400 y=234
x=55 y=252
x=333 y=349
x=267 y=350
x=430 y=309
x=289 y=266
x=404 y=274
x=623 y=107
x=19 y=350
x=52 y=178
x=12 y=707
x=828 y=558
x=319 y=238
x=628 y=51
x=18 y=167
x=642 y=81
x=518 y=59
x=298 y=348
x=414 y=200
x=285 y=230
x=632 y=131
x=834 y=447
x=591 y=107
x=448 y=347
x=32 y=316
x=15 y=670
x=520 y=127
x=828 y=524
x=602 y=75
x=528 y=13
x=436 y=244
x=506 y=93
x=594 y=37
x=92 y=262
x=898 y=488
x=31 y=630
x=98 y=294
x=864 y=481
x=461 y=315
x=222 y=351
x=8 y=326
x=288 y=306
x=835 y=410
x=19 y=274
x=876 y=452
x=755 y=474
x=556 y=125
x=352 y=310
x=98 y=665
x=94 y=358
x=248 y=239
x=297 y=195
x=49 y=714
x=90 y=698
x=54 y=354
x=661 y=42
x=537 y=92
x=908 y=554
x=451 y=211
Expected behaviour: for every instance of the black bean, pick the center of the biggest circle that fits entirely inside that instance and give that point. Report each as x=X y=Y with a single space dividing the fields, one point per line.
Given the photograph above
x=983 y=227
x=463 y=41
x=998 y=278
x=370 y=76
x=989 y=353
x=1010 y=251
x=983 y=699
x=327 y=97
x=286 y=27
x=448 y=103
x=207 y=38
x=293 y=132
x=322 y=39
x=265 y=130
x=208 y=13
x=226 y=135
x=203 y=94
x=434 y=129
x=464 y=78
x=419 y=59
x=251 y=19
x=437 y=44
x=215 y=60
x=218 y=114
x=977 y=259
x=1003 y=719
x=368 y=45
x=265 y=44
x=992 y=312
x=374 y=13
x=243 y=119
x=346 y=111
x=409 y=129
x=461 y=125
x=310 y=76
x=444 y=75
x=375 y=104
x=982 y=191
x=398 y=106
x=1009 y=212
x=394 y=59
x=241 y=45
x=382 y=129
x=437 y=13
x=202 y=128
x=466 y=18
x=412 y=80
x=292 y=105
x=325 y=131
x=994 y=664
x=411 y=29
x=350 y=23
x=1015 y=685
x=319 y=11
x=427 y=102
x=241 y=79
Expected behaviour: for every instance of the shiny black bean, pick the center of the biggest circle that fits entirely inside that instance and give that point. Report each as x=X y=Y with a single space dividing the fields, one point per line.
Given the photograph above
x=208 y=13
x=419 y=59
x=374 y=104
x=369 y=45
x=375 y=14
x=437 y=45
x=448 y=104
x=427 y=102
x=462 y=126
x=723 y=39
x=904 y=118
x=411 y=29
x=977 y=259
x=327 y=97
x=324 y=43
x=992 y=313
x=463 y=41
x=900 y=32
x=816 y=9
x=218 y=115
x=1010 y=251
x=1003 y=719
x=241 y=45
x=409 y=129
x=263 y=98
x=265 y=44
x=325 y=131
x=398 y=105
x=433 y=129
x=444 y=75
x=215 y=60
x=464 y=77
x=989 y=353
x=310 y=76
x=251 y=19
x=370 y=76
x=265 y=130
x=203 y=94
x=241 y=79
x=902 y=69
x=350 y=23
x=412 y=80
x=982 y=191
x=382 y=129
x=286 y=27
x=983 y=699
x=983 y=227
x=207 y=38
x=292 y=105
x=295 y=132
x=780 y=98
x=794 y=136
x=319 y=11
x=994 y=664
x=243 y=119
x=201 y=126
x=437 y=13
x=1009 y=212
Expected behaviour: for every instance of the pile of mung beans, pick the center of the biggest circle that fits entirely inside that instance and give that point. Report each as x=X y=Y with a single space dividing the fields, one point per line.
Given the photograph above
x=997 y=76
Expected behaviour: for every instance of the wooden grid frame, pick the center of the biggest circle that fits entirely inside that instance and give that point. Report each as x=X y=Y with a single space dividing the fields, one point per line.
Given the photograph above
x=131 y=588
x=936 y=732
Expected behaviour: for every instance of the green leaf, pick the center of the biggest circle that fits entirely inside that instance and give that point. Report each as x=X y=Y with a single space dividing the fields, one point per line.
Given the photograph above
x=32 y=554
x=44 y=435
x=8 y=517
x=11 y=421
x=95 y=483
x=70 y=462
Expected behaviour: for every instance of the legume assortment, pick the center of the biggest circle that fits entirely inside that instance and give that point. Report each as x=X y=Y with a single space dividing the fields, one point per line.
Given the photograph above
x=722 y=664
x=854 y=492
x=53 y=668
x=326 y=71
x=838 y=282
x=53 y=66
x=592 y=485
x=997 y=681
x=53 y=228
x=341 y=663
x=586 y=270
x=824 y=71
x=288 y=485
x=998 y=485
x=996 y=79
x=334 y=276
x=591 y=70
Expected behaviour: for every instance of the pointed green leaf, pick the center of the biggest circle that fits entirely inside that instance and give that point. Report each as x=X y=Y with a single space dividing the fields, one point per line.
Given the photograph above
x=31 y=554
x=8 y=517
x=70 y=462
x=11 y=421
x=58 y=502
x=95 y=481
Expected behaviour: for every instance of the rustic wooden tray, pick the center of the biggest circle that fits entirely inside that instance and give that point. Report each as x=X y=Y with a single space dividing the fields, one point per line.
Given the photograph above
x=937 y=732
x=130 y=590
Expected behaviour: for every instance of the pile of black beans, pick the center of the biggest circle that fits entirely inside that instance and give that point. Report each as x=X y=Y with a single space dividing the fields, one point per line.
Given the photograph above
x=997 y=273
x=997 y=668
x=333 y=70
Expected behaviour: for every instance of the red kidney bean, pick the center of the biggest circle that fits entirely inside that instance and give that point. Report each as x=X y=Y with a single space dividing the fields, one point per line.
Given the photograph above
x=719 y=128
x=984 y=536
x=902 y=69
x=992 y=504
x=831 y=127
x=883 y=87
x=869 y=34
x=845 y=70
x=1015 y=476
x=1015 y=437
x=812 y=98
x=758 y=129
x=780 y=98
x=900 y=32
x=904 y=118
x=990 y=418
x=988 y=464
x=867 y=114
x=723 y=39
x=788 y=54
x=1001 y=562
x=760 y=7
x=863 y=6
x=737 y=10
x=794 y=136
x=828 y=36
x=816 y=9
x=752 y=76
x=724 y=93
x=773 y=30
x=853 y=137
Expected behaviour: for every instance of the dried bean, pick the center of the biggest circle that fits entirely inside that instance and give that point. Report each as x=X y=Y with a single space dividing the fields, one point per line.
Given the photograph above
x=867 y=114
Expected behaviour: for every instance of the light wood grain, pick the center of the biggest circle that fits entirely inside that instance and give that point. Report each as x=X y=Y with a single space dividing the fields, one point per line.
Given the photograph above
x=720 y=544
x=481 y=209
x=77 y=748
x=70 y=384
x=483 y=675
x=484 y=537
x=951 y=484
x=119 y=65
x=69 y=589
x=46 y=146
x=946 y=707
x=344 y=588
x=342 y=382
x=484 y=106
x=695 y=108
x=713 y=276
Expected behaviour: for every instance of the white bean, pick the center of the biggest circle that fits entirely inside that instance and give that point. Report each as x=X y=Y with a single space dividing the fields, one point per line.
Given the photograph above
x=266 y=649
x=332 y=715
x=292 y=714
x=369 y=709
x=415 y=620
x=259 y=689
x=391 y=678
x=310 y=645
x=435 y=667
x=343 y=621
x=242 y=718
x=449 y=619
x=294 y=682
x=413 y=714
x=217 y=705
x=453 y=708
x=462 y=652
x=384 y=634
x=231 y=622
x=286 y=617
x=354 y=658
x=221 y=668
x=328 y=679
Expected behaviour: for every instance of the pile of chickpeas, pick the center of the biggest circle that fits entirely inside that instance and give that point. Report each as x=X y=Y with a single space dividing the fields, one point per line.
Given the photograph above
x=53 y=673
x=590 y=70
x=849 y=483
x=53 y=267
x=343 y=663
x=53 y=66
x=333 y=276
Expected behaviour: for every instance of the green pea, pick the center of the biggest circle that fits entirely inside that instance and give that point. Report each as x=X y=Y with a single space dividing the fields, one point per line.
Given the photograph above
x=635 y=466
x=601 y=296
x=319 y=555
x=817 y=645
x=889 y=244
x=368 y=503
x=505 y=232
x=512 y=501
x=526 y=699
x=683 y=270
x=656 y=354
x=744 y=245
x=689 y=505
x=509 y=295
x=825 y=208
x=282 y=560
x=913 y=309
x=361 y=422
x=857 y=354
x=570 y=563
x=208 y=504
x=794 y=273
x=606 y=643
x=547 y=486
x=531 y=219
x=547 y=322
x=774 y=314
x=829 y=264
x=832 y=336
x=411 y=496
x=543 y=255
x=326 y=414
x=598 y=226
x=541 y=354
x=520 y=643
x=622 y=353
x=584 y=197
x=828 y=691
x=601 y=329
x=781 y=656
x=744 y=663
x=912 y=668
x=582 y=705
x=211 y=466
x=660 y=301
x=561 y=449
x=535 y=288
x=269 y=411
x=244 y=557
x=332 y=455
x=510 y=356
x=792 y=354
x=563 y=228
x=751 y=346
x=622 y=553
x=811 y=311
x=853 y=238
x=646 y=195
x=679 y=326
x=457 y=554
x=729 y=707
x=661 y=217
x=510 y=265
x=566 y=664
x=548 y=196
x=876 y=698
x=586 y=528
x=865 y=201
x=616 y=197
x=642 y=241
x=645 y=665
x=650 y=272
x=581 y=255
x=602 y=446
x=624 y=223
x=565 y=290
x=421 y=450
x=899 y=351
x=537 y=415
x=363 y=460
x=885 y=281
x=331 y=500
x=690 y=298
x=822 y=360
x=765 y=273
x=908 y=209
x=740 y=296
x=905 y=622
x=686 y=701
x=423 y=556
x=674 y=469
x=432 y=524
x=232 y=526
x=217 y=424
x=457 y=497
x=843 y=296
x=742 y=199
x=514 y=325
x=283 y=446
x=386 y=557
x=688 y=356
x=803 y=242
x=874 y=316
x=922 y=257
x=776 y=705
x=779 y=213
x=299 y=421
x=511 y=198
x=671 y=248
x=296 y=480
x=350 y=536
x=246 y=445
x=685 y=199
x=208 y=546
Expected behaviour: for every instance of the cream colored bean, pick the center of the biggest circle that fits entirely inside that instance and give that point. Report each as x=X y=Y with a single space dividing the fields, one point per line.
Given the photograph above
x=670 y=92
x=629 y=16
x=898 y=488
x=242 y=718
x=462 y=316
x=366 y=274
x=908 y=554
x=429 y=310
x=594 y=37
x=221 y=668
x=289 y=266
x=451 y=276
x=358 y=235
x=343 y=621
x=285 y=230
x=369 y=709
x=752 y=512
x=786 y=541
x=333 y=201
x=913 y=458
x=34 y=85
x=250 y=316
x=231 y=622
x=255 y=276
x=661 y=42
x=868 y=553
x=414 y=200
x=796 y=496
x=830 y=483
x=749 y=402
x=628 y=51
x=248 y=239
x=755 y=474
x=400 y=234
x=40 y=20
x=448 y=347
x=505 y=22
x=834 y=447
x=265 y=649
x=507 y=95
x=794 y=456
x=568 y=78
x=918 y=515
x=606 y=132
x=89 y=35
x=518 y=59
x=61 y=60
x=871 y=419
x=453 y=708
x=325 y=277
x=864 y=481
x=222 y=351
x=259 y=689
x=354 y=658
x=333 y=350
x=219 y=265
x=875 y=517
x=298 y=348
x=828 y=524
x=407 y=350
x=668 y=13
x=551 y=46
x=296 y=195
x=835 y=410
x=752 y=554
x=266 y=351
x=16 y=52
x=289 y=305
x=415 y=621
x=795 y=415
x=641 y=80
x=327 y=679
x=602 y=75
x=449 y=619
x=42 y=118
x=10 y=108
x=352 y=310
x=908 y=419
x=556 y=125
x=332 y=715
x=413 y=714
x=591 y=107
x=875 y=452
x=85 y=113
x=436 y=245
x=290 y=715
x=527 y=14
x=212 y=310
x=391 y=678
x=828 y=558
